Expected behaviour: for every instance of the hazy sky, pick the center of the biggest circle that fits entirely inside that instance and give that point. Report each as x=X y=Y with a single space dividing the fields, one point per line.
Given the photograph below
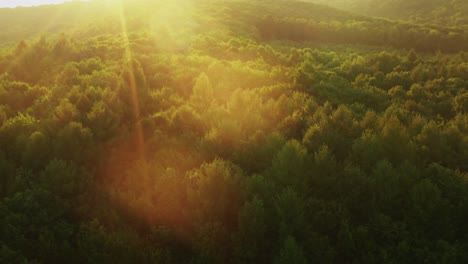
x=13 y=3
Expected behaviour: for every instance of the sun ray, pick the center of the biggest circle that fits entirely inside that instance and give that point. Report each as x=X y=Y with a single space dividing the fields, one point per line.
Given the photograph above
x=133 y=87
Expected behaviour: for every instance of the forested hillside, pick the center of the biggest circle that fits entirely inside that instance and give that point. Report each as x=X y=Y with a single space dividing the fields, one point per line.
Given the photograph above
x=230 y=131
x=452 y=13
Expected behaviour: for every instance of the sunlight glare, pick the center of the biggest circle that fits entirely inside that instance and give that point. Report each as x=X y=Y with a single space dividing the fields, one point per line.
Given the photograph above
x=173 y=24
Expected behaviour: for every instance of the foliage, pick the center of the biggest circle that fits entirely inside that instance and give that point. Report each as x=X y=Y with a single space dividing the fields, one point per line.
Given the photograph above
x=231 y=132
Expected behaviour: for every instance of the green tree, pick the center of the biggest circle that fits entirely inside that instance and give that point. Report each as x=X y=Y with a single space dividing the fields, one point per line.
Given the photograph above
x=290 y=253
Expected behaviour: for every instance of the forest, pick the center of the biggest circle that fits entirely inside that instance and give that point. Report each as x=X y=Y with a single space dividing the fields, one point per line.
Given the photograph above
x=450 y=13
x=234 y=131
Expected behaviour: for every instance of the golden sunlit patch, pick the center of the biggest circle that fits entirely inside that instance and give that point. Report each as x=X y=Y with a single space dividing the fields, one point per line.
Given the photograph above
x=172 y=24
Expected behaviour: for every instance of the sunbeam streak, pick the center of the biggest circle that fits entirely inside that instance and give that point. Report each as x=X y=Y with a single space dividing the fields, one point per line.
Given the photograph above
x=132 y=85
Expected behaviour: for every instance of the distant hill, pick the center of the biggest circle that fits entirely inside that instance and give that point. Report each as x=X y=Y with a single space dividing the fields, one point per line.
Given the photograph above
x=264 y=20
x=302 y=21
x=453 y=13
x=29 y=22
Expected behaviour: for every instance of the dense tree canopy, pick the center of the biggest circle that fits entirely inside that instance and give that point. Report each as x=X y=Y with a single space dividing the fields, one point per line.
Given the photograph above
x=231 y=132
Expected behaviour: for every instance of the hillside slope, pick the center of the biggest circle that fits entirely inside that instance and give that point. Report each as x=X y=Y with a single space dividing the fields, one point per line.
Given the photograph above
x=452 y=13
x=267 y=20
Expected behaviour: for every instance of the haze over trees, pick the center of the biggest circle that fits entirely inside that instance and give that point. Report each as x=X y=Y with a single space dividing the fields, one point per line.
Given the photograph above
x=437 y=12
x=234 y=131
